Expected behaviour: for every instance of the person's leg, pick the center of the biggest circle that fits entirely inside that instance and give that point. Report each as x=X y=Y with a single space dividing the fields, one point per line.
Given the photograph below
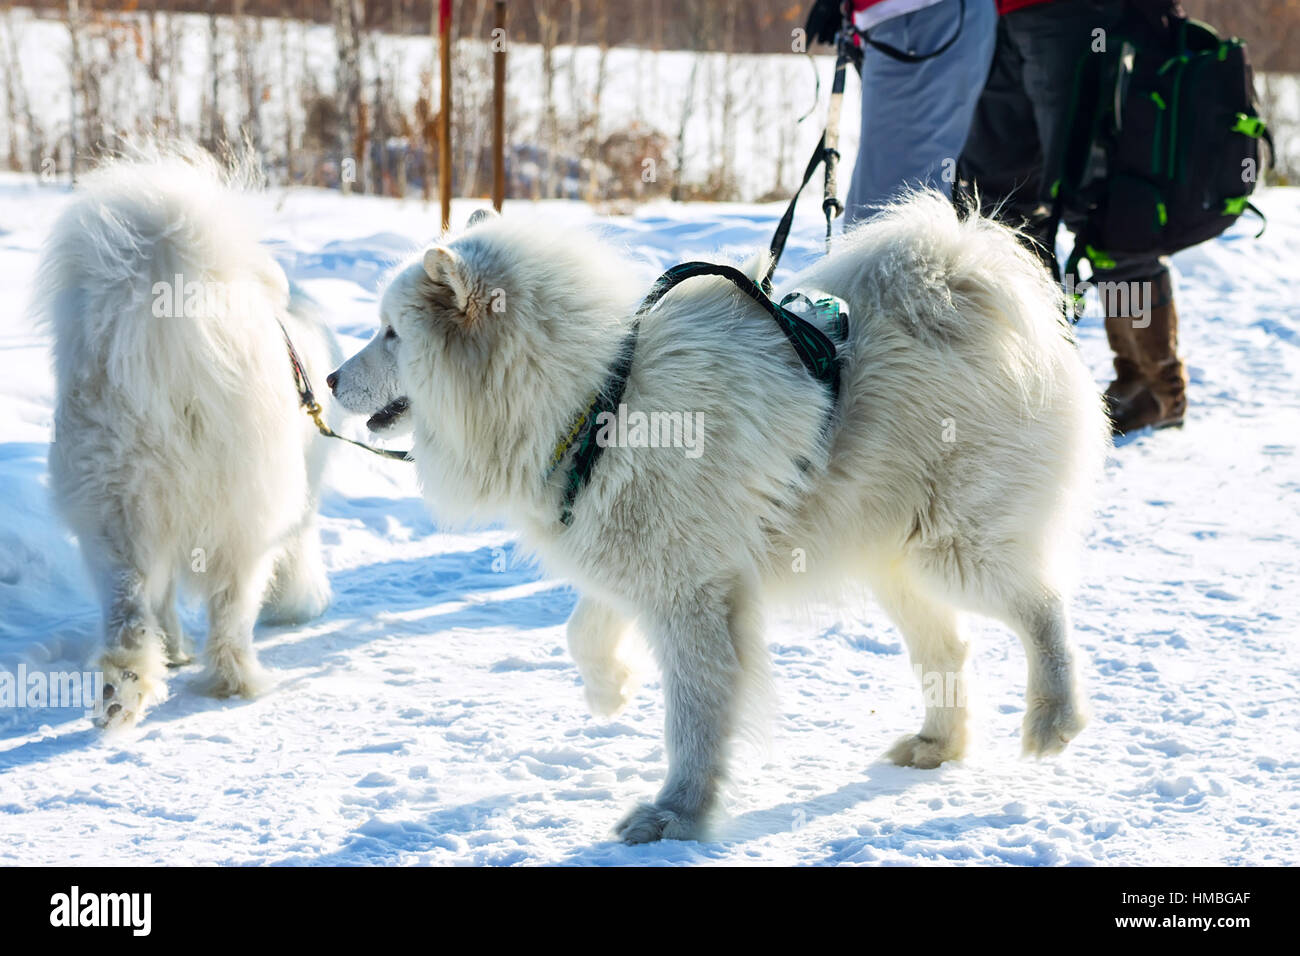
x=1137 y=293
x=1001 y=159
x=1150 y=386
x=915 y=116
x=1016 y=140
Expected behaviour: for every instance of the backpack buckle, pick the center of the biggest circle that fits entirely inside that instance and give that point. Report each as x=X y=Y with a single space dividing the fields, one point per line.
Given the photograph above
x=1235 y=205
x=1252 y=126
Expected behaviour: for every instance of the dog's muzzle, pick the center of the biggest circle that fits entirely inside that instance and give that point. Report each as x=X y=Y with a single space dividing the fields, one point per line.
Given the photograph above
x=389 y=415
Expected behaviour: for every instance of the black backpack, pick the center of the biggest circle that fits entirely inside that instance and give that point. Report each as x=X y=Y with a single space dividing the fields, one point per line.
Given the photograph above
x=1164 y=146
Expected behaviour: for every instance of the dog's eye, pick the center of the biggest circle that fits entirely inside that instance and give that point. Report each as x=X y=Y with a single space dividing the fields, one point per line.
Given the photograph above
x=391 y=333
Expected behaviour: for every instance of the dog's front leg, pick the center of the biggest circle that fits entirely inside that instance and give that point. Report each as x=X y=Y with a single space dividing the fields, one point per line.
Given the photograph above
x=701 y=676
x=134 y=662
x=595 y=632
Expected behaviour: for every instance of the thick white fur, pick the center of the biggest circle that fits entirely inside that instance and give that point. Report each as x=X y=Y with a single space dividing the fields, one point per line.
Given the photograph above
x=953 y=477
x=181 y=455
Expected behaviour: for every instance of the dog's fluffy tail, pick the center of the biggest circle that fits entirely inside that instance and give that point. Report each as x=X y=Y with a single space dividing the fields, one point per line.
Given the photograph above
x=946 y=275
x=153 y=277
x=970 y=293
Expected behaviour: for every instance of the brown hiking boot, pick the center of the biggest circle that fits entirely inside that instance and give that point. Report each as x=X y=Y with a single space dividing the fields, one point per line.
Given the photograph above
x=1150 y=387
x=1128 y=380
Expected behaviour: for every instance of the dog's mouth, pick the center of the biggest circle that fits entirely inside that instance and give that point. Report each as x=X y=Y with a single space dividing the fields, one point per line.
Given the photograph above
x=388 y=416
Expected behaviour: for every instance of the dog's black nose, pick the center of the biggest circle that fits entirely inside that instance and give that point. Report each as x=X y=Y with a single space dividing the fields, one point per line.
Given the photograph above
x=332 y=379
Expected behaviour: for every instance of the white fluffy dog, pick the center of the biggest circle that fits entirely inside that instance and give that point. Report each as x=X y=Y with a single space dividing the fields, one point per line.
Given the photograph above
x=181 y=455
x=951 y=475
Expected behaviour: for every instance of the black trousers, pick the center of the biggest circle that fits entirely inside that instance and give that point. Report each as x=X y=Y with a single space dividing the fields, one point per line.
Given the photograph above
x=1017 y=134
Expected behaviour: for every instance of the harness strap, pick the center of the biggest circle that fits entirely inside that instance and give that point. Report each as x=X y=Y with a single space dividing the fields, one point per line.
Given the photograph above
x=814 y=348
x=582 y=433
x=307 y=398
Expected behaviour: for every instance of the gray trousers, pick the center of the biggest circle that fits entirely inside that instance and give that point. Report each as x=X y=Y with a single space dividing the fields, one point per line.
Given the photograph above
x=915 y=116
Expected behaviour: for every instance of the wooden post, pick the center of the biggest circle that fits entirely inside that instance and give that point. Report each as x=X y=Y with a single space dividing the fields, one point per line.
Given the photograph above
x=444 y=119
x=499 y=107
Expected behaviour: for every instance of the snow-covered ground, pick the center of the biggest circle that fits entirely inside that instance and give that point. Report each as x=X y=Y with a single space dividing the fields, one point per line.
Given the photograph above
x=433 y=716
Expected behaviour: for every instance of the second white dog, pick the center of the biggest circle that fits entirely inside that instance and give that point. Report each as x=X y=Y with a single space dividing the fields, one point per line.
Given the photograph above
x=181 y=455
x=950 y=476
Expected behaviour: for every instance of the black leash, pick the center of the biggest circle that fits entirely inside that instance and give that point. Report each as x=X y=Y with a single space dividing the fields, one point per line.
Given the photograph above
x=787 y=218
x=827 y=150
x=815 y=350
x=307 y=398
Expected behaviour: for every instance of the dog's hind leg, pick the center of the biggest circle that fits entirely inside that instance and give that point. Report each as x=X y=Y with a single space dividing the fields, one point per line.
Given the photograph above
x=595 y=632
x=232 y=667
x=1008 y=585
x=300 y=588
x=938 y=656
x=1054 y=709
x=709 y=650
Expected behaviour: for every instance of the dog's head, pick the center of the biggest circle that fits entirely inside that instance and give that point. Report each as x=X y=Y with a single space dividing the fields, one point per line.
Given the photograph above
x=367 y=384
x=488 y=346
x=425 y=304
x=437 y=291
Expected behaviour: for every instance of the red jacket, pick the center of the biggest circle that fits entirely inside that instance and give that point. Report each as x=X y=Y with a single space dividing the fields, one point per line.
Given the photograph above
x=1006 y=6
x=1153 y=9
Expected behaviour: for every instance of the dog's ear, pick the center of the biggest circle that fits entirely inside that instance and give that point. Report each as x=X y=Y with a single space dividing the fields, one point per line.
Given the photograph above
x=445 y=266
x=486 y=214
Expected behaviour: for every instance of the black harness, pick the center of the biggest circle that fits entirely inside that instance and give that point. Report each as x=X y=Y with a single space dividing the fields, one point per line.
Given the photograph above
x=815 y=350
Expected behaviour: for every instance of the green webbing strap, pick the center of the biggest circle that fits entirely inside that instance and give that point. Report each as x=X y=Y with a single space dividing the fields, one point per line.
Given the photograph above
x=1075 y=299
x=1235 y=205
x=815 y=350
x=1097 y=259
x=582 y=433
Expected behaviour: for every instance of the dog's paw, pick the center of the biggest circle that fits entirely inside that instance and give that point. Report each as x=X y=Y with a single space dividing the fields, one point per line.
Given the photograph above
x=129 y=691
x=180 y=651
x=924 y=753
x=301 y=600
x=1050 y=724
x=649 y=823
x=231 y=673
x=607 y=693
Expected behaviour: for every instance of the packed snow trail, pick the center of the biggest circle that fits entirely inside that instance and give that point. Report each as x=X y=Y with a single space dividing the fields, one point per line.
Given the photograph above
x=433 y=715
